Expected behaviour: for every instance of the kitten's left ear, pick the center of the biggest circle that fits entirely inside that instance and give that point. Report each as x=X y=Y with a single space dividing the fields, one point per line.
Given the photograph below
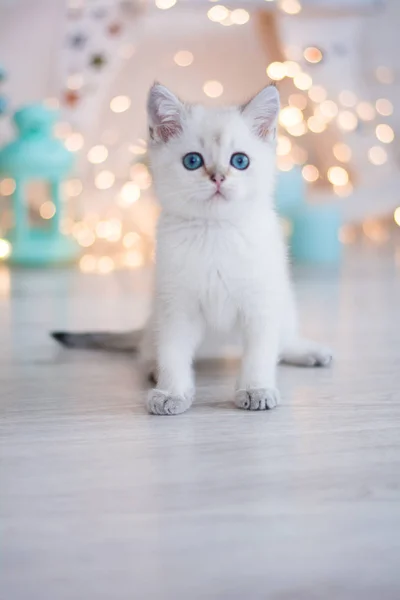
x=262 y=112
x=165 y=114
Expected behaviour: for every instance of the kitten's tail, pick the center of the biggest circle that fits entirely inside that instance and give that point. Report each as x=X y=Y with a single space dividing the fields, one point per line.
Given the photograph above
x=124 y=341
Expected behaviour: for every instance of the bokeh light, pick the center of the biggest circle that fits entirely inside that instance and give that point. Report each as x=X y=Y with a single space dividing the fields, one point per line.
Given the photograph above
x=213 y=89
x=313 y=55
x=377 y=155
x=384 y=133
x=97 y=154
x=120 y=104
x=342 y=152
x=310 y=173
x=104 y=180
x=183 y=58
x=338 y=176
x=384 y=107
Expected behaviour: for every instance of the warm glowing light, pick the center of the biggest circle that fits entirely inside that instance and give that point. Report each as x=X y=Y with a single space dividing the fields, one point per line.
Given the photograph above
x=384 y=107
x=276 y=71
x=292 y=68
x=338 y=176
x=47 y=210
x=7 y=186
x=310 y=173
x=316 y=125
x=384 y=133
x=218 y=13
x=303 y=81
x=130 y=193
x=365 y=111
x=227 y=22
x=298 y=100
x=343 y=191
x=104 y=180
x=239 y=16
x=141 y=176
x=165 y=4
x=375 y=231
x=396 y=216
x=213 y=89
x=290 y=116
x=347 y=120
x=109 y=230
x=133 y=259
x=291 y=7
x=313 y=55
x=347 y=98
x=317 y=93
x=97 y=154
x=183 y=58
x=120 y=104
x=329 y=109
x=342 y=152
x=5 y=249
x=135 y=149
x=102 y=229
x=88 y=263
x=114 y=230
x=75 y=81
x=377 y=155
x=105 y=265
x=85 y=238
x=297 y=130
x=130 y=239
x=74 y=142
x=384 y=75
x=284 y=146
x=78 y=229
x=284 y=163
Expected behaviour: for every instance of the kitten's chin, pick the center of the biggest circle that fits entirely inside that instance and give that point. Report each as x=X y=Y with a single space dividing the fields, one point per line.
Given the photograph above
x=218 y=196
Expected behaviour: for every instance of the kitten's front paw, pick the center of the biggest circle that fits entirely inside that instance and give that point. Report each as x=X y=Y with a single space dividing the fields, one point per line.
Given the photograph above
x=257 y=399
x=162 y=403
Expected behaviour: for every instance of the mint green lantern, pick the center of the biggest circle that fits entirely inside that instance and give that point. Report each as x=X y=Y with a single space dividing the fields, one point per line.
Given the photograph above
x=37 y=161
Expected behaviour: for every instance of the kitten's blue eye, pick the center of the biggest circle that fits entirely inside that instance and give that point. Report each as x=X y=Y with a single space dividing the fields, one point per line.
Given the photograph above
x=193 y=161
x=240 y=161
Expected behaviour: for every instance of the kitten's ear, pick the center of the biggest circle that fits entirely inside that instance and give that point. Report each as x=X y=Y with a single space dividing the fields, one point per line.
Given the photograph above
x=165 y=113
x=262 y=112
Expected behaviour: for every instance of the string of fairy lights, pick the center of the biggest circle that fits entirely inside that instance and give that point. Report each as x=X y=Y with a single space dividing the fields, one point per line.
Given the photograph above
x=112 y=240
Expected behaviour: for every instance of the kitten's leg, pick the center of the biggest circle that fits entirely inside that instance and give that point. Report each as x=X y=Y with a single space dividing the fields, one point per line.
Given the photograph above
x=257 y=389
x=177 y=337
x=305 y=353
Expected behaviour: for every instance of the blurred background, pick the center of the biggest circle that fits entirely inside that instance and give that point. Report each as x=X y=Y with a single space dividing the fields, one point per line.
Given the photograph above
x=74 y=179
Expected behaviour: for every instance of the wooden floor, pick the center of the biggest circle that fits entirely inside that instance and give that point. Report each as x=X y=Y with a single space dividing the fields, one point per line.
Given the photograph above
x=101 y=501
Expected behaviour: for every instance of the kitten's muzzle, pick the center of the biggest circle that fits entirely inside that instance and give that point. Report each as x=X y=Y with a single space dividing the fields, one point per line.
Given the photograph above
x=218 y=179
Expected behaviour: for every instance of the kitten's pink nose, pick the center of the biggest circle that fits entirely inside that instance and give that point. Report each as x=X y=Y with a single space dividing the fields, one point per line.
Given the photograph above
x=217 y=178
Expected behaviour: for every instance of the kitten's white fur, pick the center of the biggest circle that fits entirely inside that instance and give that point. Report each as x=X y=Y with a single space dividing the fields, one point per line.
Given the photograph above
x=221 y=260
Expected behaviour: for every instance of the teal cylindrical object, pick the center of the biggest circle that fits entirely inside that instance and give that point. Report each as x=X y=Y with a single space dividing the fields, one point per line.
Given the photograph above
x=315 y=236
x=37 y=156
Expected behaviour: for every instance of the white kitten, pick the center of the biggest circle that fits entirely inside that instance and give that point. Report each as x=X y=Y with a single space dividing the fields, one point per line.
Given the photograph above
x=221 y=260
